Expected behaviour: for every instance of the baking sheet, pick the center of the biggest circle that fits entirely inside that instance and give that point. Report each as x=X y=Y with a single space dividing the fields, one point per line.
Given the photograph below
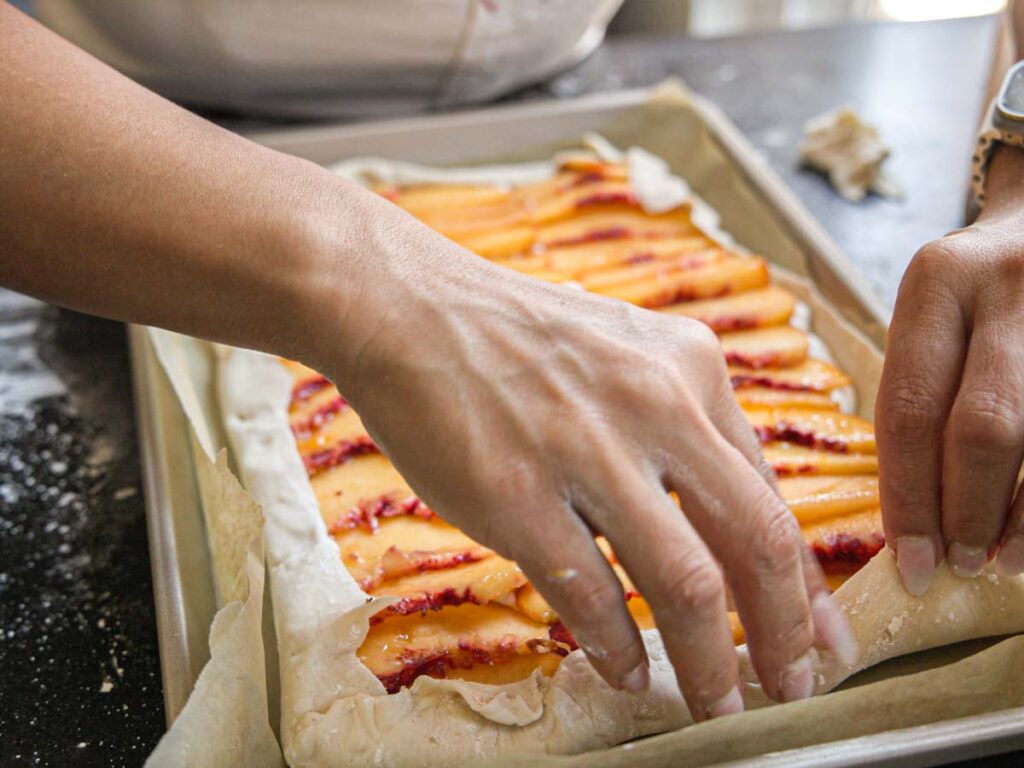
x=215 y=529
x=700 y=145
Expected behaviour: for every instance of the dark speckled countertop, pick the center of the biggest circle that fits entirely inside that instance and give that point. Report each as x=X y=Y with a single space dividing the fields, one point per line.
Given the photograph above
x=79 y=666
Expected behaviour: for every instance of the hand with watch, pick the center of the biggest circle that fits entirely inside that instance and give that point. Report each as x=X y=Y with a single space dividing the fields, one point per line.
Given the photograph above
x=950 y=412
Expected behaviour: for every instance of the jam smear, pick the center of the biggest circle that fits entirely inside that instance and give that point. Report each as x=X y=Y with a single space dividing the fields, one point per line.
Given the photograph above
x=608 y=198
x=766 y=360
x=593 y=236
x=308 y=387
x=304 y=428
x=342 y=453
x=422 y=604
x=789 y=470
x=787 y=433
x=561 y=635
x=368 y=513
x=844 y=553
x=466 y=656
x=436 y=667
x=590 y=177
x=395 y=564
x=742 y=380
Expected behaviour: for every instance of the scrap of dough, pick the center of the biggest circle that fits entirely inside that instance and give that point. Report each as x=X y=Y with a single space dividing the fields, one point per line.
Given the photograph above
x=336 y=713
x=850 y=152
x=887 y=622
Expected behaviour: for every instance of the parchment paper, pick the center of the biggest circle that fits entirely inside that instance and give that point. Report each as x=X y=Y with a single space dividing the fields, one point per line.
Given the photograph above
x=989 y=681
x=226 y=720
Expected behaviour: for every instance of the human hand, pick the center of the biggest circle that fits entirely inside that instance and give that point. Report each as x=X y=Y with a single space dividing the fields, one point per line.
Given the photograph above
x=950 y=411
x=535 y=416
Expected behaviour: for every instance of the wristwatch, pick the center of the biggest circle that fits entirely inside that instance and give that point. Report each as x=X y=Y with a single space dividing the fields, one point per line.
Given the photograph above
x=1004 y=125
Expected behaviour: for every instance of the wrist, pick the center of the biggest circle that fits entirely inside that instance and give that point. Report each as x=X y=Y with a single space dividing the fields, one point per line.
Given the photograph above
x=1005 y=184
x=372 y=281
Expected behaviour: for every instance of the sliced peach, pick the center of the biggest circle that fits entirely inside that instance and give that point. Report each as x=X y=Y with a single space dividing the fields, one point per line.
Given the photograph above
x=327 y=426
x=576 y=198
x=844 y=544
x=652 y=268
x=519 y=668
x=810 y=376
x=420 y=199
x=780 y=346
x=365 y=550
x=485 y=581
x=818 y=497
x=586 y=257
x=739 y=635
x=835 y=580
x=761 y=397
x=298 y=370
x=401 y=648
x=752 y=309
x=525 y=264
x=641 y=612
x=550 y=276
x=589 y=165
x=501 y=243
x=462 y=224
x=310 y=392
x=309 y=397
x=730 y=275
x=616 y=222
x=533 y=604
x=364 y=479
x=825 y=430
x=788 y=459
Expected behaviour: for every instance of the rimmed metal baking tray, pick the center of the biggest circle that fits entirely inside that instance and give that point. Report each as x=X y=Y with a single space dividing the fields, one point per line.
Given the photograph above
x=183 y=583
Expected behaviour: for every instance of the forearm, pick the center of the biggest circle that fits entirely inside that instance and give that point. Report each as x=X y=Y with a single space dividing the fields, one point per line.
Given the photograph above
x=116 y=202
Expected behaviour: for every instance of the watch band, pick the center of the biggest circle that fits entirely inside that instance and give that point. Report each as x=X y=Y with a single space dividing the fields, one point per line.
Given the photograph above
x=988 y=137
x=1004 y=124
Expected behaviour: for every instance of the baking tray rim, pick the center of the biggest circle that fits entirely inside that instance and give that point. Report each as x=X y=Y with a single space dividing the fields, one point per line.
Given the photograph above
x=919 y=745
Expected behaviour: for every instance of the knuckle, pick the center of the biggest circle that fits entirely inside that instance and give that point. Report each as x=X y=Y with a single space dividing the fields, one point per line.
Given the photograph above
x=514 y=479
x=591 y=602
x=796 y=633
x=908 y=409
x=987 y=421
x=932 y=261
x=778 y=540
x=933 y=273
x=697 y=588
x=1010 y=269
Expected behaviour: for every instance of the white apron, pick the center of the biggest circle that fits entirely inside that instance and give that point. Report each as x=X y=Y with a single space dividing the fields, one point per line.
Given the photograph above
x=315 y=58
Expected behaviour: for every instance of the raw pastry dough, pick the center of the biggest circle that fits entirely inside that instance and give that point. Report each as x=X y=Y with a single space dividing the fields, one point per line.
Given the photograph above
x=335 y=713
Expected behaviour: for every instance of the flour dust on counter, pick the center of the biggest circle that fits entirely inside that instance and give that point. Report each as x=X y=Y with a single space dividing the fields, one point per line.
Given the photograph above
x=81 y=682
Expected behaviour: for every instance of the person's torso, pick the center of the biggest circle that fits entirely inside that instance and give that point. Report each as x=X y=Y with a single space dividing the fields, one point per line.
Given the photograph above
x=333 y=57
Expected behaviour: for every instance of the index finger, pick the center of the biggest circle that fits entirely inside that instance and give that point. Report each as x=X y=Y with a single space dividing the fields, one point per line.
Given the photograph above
x=920 y=378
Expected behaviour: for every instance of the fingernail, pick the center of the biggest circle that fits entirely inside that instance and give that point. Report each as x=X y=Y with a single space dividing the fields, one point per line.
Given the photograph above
x=834 y=629
x=796 y=681
x=1010 y=560
x=636 y=680
x=966 y=561
x=915 y=560
x=730 y=704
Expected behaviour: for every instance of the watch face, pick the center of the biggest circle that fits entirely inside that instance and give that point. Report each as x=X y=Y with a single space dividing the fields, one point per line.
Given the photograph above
x=1011 y=98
